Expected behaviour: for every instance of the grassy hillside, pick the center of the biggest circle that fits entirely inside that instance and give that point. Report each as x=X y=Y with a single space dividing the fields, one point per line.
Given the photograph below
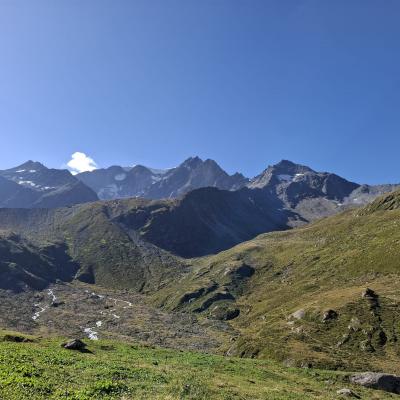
x=277 y=288
x=102 y=251
x=139 y=244
x=23 y=265
x=42 y=369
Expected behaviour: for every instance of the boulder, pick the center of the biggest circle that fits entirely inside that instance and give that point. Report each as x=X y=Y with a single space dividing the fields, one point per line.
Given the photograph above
x=373 y=380
x=16 y=339
x=56 y=304
x=355 y=325
x=299 y=314
x=366 y=345
x=329 y=315
x=372 y=298
x=369 y=294
x=75 y=344
x=347 y=393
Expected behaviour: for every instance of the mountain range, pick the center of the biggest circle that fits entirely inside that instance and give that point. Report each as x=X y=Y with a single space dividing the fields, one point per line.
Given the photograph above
x=139 y=181
x=293 y=188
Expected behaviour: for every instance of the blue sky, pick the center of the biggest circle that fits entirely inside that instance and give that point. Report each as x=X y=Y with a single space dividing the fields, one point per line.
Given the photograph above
x=245 y=82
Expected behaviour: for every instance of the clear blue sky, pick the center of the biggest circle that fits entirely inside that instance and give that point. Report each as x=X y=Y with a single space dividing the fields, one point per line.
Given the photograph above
x=245 y=82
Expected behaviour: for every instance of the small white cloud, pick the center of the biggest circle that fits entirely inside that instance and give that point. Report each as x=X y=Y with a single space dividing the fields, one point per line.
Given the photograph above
x=80 y=162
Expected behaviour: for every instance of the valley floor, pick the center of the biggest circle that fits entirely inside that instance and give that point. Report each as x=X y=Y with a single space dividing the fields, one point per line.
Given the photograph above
x=86 y=311
x=41 y=369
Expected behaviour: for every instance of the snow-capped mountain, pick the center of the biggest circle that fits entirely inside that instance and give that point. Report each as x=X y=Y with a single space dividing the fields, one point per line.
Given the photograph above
x=33 y=185
x=306 y=193
x=35 y=175
x=121 y=182
x=140 y=181
x=312 y=194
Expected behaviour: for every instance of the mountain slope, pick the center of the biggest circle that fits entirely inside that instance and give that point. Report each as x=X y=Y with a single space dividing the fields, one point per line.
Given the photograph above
x=103 y=252
x=138 y=243
x=206 y=220
x=14 y=195
x=301 y=295
x=32 y=185
x=25 y=266
x=203 y=221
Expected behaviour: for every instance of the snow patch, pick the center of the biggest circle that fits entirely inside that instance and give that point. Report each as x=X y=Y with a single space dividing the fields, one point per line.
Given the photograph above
x=108 y=191
x=158 y=171
x=128 y=303
x=52 y=295
x=155 y=179
x=100 y=296
x=91 y=333
x=37 y=313
x=120 y=177
x=285 y=178
x=27 y=183
x=298 y=177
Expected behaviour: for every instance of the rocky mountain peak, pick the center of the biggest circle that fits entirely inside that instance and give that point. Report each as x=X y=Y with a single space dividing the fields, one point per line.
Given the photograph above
x=192 y=162
x=289 y=168
x=284 y=172
x=139 y=169
x=28 y=166
x=297 y=186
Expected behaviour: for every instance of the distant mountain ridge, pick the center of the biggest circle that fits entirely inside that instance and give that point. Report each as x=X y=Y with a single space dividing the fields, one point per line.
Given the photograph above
x=311 y=194
x=140 y=181
x=306 y=193
x=32 y=185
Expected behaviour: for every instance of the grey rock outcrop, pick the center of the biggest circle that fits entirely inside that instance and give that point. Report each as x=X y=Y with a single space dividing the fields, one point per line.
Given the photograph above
x=381 y=381
x=75 y=344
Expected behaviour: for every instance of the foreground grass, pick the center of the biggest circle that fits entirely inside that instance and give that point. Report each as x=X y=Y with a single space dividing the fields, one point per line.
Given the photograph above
x=42 y=369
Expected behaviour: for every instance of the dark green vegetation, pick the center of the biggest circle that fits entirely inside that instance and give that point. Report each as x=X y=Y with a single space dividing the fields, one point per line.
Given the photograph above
x=33 y=368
